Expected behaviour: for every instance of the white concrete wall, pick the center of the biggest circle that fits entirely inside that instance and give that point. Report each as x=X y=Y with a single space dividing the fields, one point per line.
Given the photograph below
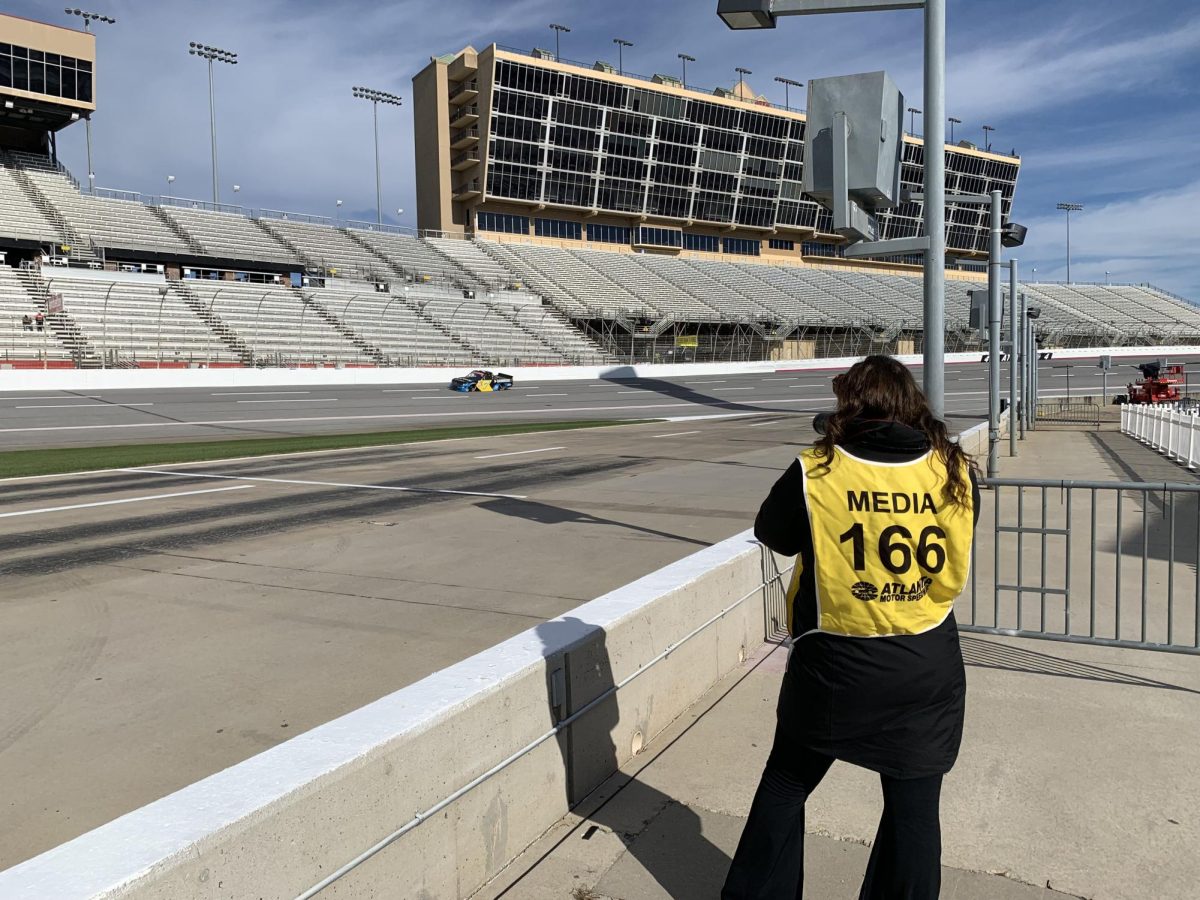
x=118 y=379
x=278 y=823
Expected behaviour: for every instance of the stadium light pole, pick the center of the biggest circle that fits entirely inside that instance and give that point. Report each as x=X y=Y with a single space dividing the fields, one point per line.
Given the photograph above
x=953 y=121
x=744 y=14
x=621 y=45
x=987 y=140
x=742 y=73
x=558 y=30
x=685 y=59
x=788 y=83
x=88 y=18
x=377 y=97
x=1069 y=208
x=213 y=54
x=913 y=112
x=1106 y=274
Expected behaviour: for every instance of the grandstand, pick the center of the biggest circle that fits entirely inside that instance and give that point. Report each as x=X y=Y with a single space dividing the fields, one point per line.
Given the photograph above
x=168 y=281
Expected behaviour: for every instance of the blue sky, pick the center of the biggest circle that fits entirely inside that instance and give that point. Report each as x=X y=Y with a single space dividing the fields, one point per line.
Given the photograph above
x=1100 y=97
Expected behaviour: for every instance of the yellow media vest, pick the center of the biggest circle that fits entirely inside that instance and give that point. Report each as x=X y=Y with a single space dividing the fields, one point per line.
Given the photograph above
x=890 y=556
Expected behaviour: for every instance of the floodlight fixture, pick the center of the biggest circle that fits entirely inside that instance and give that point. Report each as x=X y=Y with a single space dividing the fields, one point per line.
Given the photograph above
x=743 y=15
x=558 y=31
x=953 y=121
x=685 y=59
x=211 y=55
x=89 y=17
x=788 y=83
x=913 y=112
x=987 y=141
x=377 y=97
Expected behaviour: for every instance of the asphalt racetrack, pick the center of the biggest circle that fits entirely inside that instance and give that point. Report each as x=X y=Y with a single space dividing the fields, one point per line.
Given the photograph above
x=64 y=419
x=165 y=622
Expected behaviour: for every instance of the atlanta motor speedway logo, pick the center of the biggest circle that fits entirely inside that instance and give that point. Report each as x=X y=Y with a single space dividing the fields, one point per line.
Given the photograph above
x=891 y=592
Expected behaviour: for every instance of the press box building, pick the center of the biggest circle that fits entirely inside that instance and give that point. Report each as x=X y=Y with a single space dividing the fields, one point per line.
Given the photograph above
x=524 y=144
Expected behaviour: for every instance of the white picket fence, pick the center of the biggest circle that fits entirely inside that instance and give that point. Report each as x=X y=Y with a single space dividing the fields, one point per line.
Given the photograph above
x=1165 y=428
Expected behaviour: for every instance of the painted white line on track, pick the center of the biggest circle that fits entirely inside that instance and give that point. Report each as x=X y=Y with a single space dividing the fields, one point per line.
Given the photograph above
x=639 y=391
x=721 y=390
x=310 y=400
x=375 y=417
x=520 y=452
x=366 y=487
x=690 y=383
x=404 y=390
x=52 y=509
x=554 y=395
x=85 y=406
x=57 y=397
x=761 y=424
x=674 y=434
x=255 y=393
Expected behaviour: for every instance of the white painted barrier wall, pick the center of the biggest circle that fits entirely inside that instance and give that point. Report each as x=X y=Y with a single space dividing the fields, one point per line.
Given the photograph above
x=278 y=823
x=119 y=379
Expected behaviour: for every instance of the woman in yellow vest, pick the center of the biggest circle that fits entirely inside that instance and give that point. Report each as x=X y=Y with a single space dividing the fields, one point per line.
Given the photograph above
x=880 y=514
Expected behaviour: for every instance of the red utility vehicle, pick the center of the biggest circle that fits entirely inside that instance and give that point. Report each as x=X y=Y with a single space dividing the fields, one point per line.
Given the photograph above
x=1158 y=384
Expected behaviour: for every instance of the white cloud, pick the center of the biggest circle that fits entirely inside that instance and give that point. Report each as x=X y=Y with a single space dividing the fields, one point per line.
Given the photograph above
x=1064 y=64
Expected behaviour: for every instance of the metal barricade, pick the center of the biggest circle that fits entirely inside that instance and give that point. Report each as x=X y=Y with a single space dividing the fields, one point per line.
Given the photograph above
x=1068 y=411
x=1107 y=563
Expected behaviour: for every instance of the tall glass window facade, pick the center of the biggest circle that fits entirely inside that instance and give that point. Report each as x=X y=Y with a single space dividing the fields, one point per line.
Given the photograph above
x=609 y=234
x=574 y=140
x=705 y=243
x=741 y=246
x=558 y=228
x=505 y=224
x=659 y=237
x=25 y=69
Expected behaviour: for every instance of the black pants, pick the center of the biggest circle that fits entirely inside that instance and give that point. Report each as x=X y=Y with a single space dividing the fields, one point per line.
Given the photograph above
x=906 y=860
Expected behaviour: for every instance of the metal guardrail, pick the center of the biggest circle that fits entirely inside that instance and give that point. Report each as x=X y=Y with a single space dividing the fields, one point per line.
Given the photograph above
x=1089 y=562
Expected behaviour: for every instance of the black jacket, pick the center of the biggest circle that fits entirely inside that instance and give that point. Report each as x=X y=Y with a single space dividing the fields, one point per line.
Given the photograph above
x=894 y=705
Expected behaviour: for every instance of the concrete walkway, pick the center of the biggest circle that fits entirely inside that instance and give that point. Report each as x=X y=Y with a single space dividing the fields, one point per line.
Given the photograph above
x=1078 y=775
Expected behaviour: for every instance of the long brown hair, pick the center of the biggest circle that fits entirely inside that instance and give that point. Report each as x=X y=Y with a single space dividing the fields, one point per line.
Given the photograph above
x=880 y=388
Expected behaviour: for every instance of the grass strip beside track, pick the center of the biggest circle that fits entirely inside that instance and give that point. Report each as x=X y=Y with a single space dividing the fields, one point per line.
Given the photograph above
x=21 y=463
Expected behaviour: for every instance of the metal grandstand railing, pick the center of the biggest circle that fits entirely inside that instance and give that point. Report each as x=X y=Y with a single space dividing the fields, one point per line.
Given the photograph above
x=186 y=203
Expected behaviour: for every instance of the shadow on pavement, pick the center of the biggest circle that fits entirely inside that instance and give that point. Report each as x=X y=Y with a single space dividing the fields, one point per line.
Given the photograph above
x=992 y=655
x=545 y=514
x=694 y=864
